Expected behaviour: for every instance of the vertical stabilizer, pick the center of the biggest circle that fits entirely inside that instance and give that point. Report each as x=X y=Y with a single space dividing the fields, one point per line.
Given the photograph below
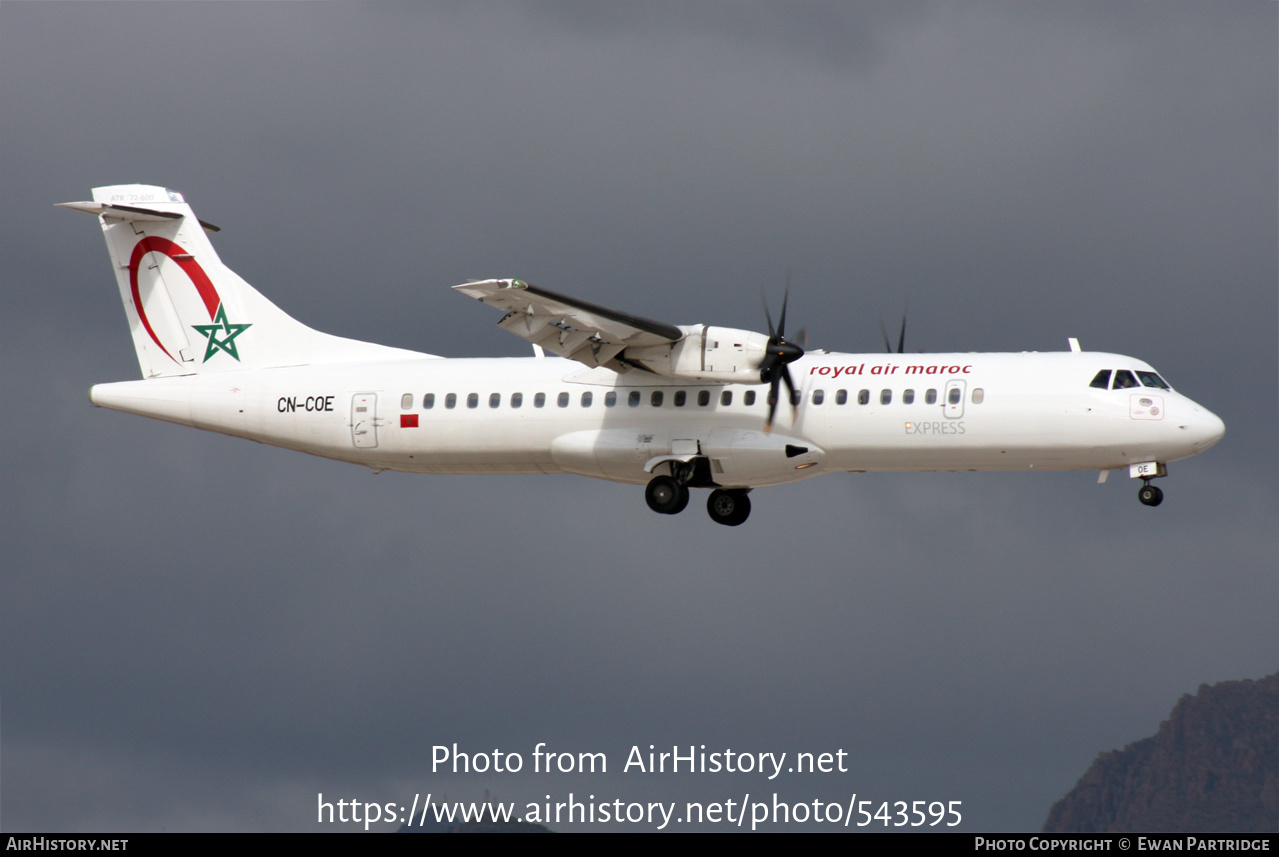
x=190 y=314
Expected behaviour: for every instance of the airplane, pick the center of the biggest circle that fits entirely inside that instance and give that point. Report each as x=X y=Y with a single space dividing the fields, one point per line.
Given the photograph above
x=624 y=398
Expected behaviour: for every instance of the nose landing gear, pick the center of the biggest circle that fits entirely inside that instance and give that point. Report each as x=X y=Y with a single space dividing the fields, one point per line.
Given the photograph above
x=1149 y=494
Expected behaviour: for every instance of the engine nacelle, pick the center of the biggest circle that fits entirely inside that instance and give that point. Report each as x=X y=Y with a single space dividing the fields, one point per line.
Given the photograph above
x=705 y=353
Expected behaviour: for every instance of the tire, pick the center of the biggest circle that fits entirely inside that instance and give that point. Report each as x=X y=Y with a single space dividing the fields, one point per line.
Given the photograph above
x=666 y=496
x=1150 y=495
x=730 y=508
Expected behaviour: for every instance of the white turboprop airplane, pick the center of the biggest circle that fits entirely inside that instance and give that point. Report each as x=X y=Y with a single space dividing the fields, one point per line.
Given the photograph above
x=636 y=401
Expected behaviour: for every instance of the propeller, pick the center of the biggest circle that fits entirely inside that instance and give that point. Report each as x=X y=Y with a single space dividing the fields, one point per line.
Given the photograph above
x=773 y=369
x=901 y=338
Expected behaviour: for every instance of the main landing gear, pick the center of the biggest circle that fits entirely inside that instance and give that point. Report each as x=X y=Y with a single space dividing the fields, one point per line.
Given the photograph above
x=729 y=508
x=1149 y=494
x=668 y=495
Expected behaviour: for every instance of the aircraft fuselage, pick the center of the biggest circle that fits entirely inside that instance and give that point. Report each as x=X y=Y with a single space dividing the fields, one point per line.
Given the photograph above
x=1026 y=411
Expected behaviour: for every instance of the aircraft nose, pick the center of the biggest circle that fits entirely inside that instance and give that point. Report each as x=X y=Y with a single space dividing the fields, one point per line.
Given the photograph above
x=1206 y=427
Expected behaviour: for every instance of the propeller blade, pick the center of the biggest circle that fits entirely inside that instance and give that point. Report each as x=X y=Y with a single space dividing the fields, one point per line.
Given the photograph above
x=781 y=322
x=888 y=346
x=901 y=340
x=790 y=385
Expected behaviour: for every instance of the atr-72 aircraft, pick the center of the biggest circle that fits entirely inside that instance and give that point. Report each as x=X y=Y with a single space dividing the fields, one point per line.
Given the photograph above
x=636 y=400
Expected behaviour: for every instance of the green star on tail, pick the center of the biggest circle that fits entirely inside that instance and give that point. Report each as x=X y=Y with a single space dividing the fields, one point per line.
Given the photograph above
x=229 y=333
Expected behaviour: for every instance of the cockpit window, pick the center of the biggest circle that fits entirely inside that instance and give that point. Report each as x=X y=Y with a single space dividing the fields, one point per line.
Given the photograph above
x=1124 y=380
x=1150 y=379
x=1101 y=380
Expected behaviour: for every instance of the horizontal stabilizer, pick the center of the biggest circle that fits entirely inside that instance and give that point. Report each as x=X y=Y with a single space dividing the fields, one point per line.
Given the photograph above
x=129 y=212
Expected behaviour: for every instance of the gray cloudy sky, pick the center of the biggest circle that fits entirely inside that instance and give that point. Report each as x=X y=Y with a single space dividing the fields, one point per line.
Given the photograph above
x=203 y=633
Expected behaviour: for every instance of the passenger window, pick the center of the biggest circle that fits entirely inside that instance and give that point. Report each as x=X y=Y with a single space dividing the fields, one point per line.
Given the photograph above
x=1124 y=380
x=796 y=397
x=703 y=398
x=954 y=395
x=749 y=398
x=885 y=397
x=517 y=399
x=562 y=400
x=428 y=401
x=680 y=398
x=587 y=398
x=930 y=398
x=656 y=398
x=539 y=400
x=819 y=396
x=908 y=397
x=633 y=399
x=406 y=401
x=979 y=396
x=472 y=400
x=726 y=398
x=610 y=399
x=495 y=400
x=863 y=397
x=841 y=397
x=450 y=401
x=1101 y=380
x=1150 y=379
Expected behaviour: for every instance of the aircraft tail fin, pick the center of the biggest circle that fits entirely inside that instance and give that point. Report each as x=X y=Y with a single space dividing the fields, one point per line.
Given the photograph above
x=189 y=313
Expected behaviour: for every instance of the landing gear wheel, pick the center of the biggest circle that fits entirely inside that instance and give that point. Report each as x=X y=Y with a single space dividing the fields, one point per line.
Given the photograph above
x=1150 y=495
x=729 y=508
x=666 y=496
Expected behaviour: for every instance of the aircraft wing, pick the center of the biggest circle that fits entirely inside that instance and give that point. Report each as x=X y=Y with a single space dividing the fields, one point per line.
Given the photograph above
x=579 y=330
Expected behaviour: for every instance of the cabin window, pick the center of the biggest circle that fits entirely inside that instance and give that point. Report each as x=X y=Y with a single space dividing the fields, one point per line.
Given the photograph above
x=517 y=399
x=472 y=400
x=406 y=401
x=749 y=398
x=979 y=395
x=726 y=398
x=680 y=398
x=863 y=397
x=885 y=397
x=610 y=399
x=428 y=401
x=450 y=401
x=656 y=398
x=1101 y=380
x=495 y=400
x=1150 y=379
x=539 y=400
x=703 y=398
x=796 y=397
x=930 y=398
x=633 y=399
x=1124 y=380
x=954 y=395
x=819 y=396
x=587 y=398
x=841 y=397
x=908 y=397
x=562 y=400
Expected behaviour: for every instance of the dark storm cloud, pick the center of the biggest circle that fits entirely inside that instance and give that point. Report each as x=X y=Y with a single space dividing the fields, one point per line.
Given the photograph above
x=201 y=633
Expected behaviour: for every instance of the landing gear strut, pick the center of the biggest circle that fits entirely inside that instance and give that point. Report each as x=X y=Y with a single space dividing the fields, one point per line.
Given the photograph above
x=1149 y=494
x=666 y=495
x=729 y=508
